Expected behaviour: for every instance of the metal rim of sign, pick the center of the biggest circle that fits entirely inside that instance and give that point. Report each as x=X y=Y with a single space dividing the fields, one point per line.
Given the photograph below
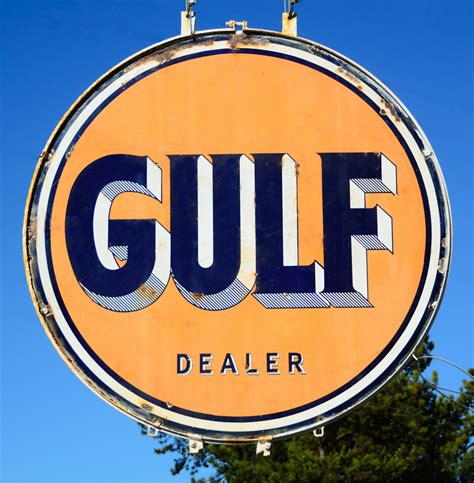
x=213 y=428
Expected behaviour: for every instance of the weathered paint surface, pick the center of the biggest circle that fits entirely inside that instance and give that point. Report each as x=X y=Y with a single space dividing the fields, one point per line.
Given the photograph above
x=246 y=93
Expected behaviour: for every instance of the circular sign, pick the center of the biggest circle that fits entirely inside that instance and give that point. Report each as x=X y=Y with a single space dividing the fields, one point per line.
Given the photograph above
x=237 y=236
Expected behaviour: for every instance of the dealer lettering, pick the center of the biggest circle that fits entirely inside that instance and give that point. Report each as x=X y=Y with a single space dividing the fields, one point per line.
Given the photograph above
x=234 y=230
x=207 y=366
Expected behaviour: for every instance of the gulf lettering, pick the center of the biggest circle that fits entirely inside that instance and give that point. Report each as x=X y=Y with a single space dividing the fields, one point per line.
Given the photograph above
x=95 y=243
x=234 y=229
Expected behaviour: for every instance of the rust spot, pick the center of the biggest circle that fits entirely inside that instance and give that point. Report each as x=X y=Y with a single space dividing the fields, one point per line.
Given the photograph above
x=156 y=421
x=236 y=40
x=348 y=75
x=32 y=228
x=165 y=56
x=391 y=109
x=47 y=156
x=147 y=407
x=44 y=309
x=171 y=51
x=198 y=295
x=206 y=42
x=146 y=291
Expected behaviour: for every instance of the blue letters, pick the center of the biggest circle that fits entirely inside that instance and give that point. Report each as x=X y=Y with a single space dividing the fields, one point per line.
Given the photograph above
x=234 y=226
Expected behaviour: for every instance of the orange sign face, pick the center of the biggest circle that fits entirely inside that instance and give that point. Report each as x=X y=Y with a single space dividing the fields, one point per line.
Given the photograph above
x=237 y=236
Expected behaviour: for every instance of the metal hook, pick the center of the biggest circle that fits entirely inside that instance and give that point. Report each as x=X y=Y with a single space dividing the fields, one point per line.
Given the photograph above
x=319 y=432
x=264 y=447
x=152 y=431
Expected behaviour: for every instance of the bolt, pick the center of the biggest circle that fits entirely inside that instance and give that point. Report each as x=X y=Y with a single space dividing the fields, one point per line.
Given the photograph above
x=427 y=153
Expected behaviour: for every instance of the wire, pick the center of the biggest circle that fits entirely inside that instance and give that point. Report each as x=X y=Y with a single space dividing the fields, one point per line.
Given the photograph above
x=451 y=390
x=445 y=395
x=444 y=360
x=436 y=386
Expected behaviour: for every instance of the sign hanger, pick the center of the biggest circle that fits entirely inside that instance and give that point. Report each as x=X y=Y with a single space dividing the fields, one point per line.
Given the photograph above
x=289 y=19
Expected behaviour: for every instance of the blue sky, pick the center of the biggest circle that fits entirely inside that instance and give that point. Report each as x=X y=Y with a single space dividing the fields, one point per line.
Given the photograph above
x=54 y=428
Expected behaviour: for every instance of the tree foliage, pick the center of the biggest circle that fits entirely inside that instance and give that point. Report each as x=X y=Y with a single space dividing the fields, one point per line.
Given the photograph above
x=407 y=431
